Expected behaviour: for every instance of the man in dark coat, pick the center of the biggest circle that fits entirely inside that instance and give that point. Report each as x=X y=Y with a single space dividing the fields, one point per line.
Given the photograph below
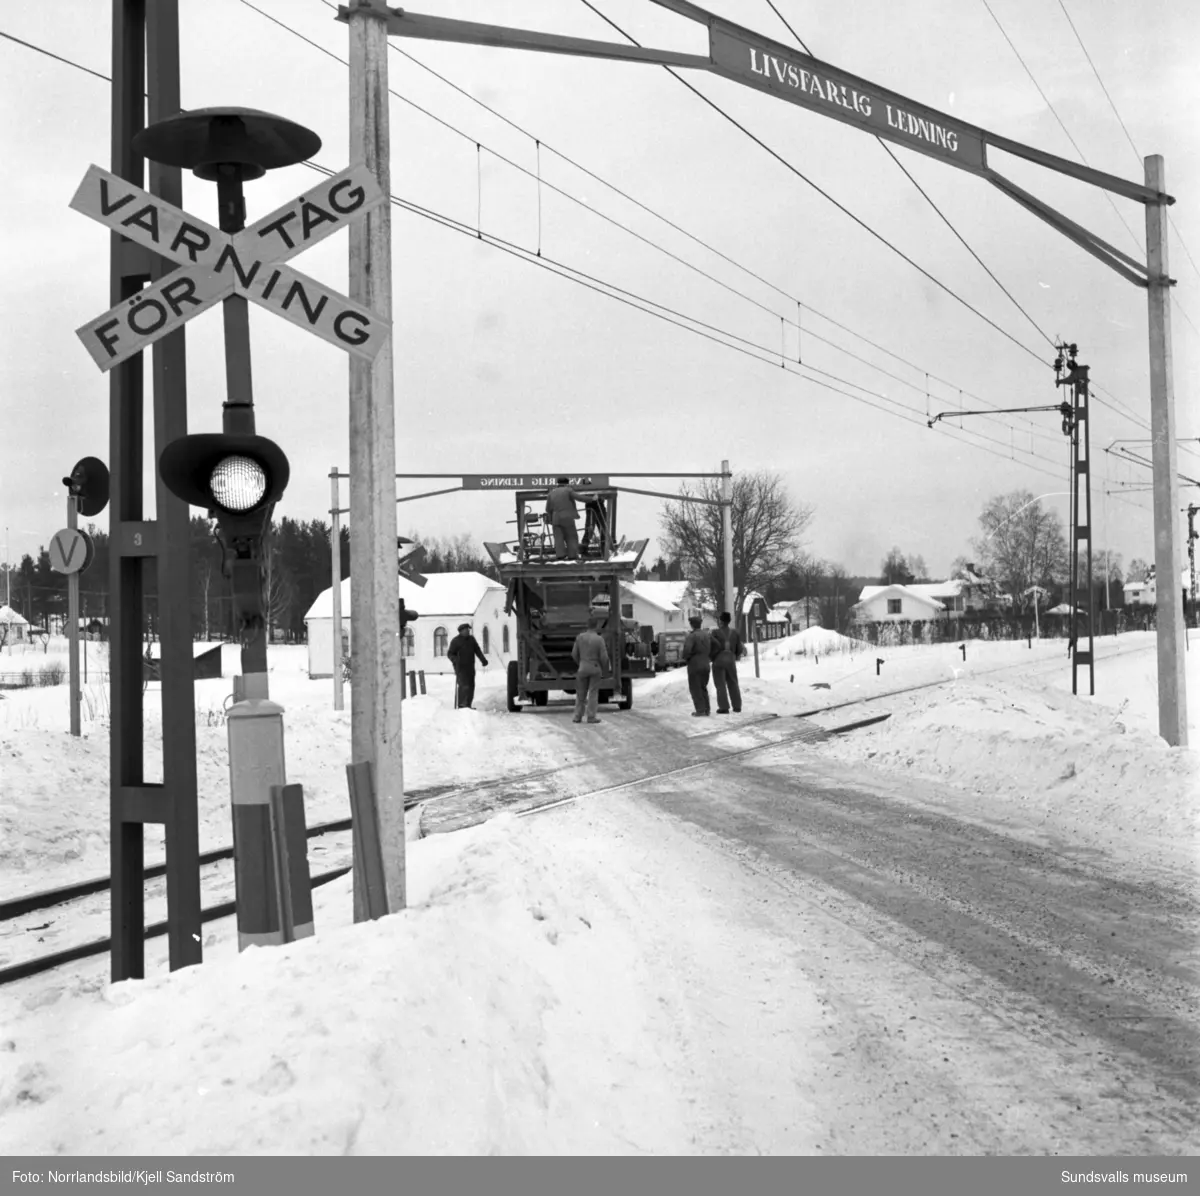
x=462 y=653
x=696 y=653
x=560 y=507
x=727 y=646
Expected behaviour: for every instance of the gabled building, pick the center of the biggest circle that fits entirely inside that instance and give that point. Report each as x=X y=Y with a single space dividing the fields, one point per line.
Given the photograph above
x=445 y=601
x=895 y=604
x=663 y=605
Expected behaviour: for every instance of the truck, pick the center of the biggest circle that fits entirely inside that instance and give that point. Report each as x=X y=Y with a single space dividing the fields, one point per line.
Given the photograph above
x=554 y=600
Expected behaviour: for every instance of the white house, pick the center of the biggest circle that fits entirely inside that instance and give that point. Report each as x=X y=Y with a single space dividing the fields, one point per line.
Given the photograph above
x=663 y=605
x=14 y=627
x=1141 y=593
x=896 y=604
x=446 y=600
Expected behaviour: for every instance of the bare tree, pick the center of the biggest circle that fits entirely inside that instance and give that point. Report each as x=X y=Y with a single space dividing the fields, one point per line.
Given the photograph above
x=1023 y=543
x=204 y=574
x=278 y=591
x=767 y=528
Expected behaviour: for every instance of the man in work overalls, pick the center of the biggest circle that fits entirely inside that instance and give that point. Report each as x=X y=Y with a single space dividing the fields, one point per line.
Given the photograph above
x=727 y=646
x=590 y=654
x=560 y=507
x=697 y=649
x=463 y=650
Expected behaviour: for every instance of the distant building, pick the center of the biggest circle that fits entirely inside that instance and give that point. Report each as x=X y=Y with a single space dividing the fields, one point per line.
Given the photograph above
x=663 y=605
x=14 y=627
x=446 y=600
x=896 y=604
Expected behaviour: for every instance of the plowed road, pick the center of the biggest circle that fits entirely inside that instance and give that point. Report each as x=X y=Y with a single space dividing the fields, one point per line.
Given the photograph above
x=989 y=995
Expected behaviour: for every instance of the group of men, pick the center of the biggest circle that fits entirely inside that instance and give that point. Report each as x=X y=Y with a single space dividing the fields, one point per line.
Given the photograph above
x=706 y=653
x=714 y=652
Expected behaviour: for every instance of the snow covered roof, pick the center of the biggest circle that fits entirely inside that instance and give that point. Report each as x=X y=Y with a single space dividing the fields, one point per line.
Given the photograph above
x=666 y=595
x=8 y=615
x=899 y=591
x=443 y=594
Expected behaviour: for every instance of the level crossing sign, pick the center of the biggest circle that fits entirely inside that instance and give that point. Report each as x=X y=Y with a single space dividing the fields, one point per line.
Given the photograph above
x=214 y=264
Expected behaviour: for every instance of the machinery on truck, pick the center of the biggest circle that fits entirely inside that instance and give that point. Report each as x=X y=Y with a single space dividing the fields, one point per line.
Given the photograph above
x=554 y=600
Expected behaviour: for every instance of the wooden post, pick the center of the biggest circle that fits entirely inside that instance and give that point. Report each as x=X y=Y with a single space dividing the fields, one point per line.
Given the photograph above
x=755 y=619
x=369 y=880
x=73 y=622
x=374 y=608
x=335 y=548
x=1172 y=684
x=727 y=540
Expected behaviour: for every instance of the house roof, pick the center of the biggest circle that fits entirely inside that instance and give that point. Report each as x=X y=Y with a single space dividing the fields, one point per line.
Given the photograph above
x=443 y=594
x=666 y=595
x=8 y=615
x=899 y=591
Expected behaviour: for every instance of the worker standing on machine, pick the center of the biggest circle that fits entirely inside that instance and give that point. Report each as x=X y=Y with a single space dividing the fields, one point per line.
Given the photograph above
x=560 y=507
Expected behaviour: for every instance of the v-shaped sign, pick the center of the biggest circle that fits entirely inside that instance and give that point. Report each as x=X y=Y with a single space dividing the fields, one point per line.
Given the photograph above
x=215 y=264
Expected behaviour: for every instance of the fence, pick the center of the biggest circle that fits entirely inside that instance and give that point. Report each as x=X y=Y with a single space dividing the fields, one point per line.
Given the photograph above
x=890 y=634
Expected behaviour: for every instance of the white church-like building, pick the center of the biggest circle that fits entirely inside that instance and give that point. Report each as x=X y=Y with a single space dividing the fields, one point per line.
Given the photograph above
x=445 y=601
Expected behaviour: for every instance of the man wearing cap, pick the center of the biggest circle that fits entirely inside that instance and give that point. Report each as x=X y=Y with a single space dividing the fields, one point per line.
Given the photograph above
x=461 y=654
x=560 y=507
x=697 y=650
x=727 y=646
x=590 y=654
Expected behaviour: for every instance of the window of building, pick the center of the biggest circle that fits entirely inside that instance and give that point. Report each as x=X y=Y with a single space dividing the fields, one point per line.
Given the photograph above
x=504 y=638
x=408 y=644
x=893 y=606
x=487 y=641
x=439 y=641
x=626 y=610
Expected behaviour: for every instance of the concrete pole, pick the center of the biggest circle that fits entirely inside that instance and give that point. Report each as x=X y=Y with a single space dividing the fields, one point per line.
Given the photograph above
x=727 y=540
x=1172 y=680
x=374 y=595
x=73 y=623
x=335 y=547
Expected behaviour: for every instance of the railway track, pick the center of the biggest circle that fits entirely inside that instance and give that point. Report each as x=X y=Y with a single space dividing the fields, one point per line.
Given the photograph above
x=480 y=796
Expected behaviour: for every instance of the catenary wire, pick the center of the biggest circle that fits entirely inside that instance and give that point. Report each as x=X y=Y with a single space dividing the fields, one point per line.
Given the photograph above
x=624 y=228
x=1136 y=153
x=1141 y=422
x=825 y=194
x=768 y=357
x=883 y=145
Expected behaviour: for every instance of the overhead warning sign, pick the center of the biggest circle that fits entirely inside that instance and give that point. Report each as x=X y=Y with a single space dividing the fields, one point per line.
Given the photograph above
x=214 y=264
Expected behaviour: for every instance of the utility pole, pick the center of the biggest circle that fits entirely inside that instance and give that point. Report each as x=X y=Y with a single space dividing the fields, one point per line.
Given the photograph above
x=727 y=540
x=1172 y=680
x=375 y=694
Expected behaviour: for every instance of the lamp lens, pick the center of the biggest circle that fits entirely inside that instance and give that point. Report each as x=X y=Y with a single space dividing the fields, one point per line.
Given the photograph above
x=238 y=483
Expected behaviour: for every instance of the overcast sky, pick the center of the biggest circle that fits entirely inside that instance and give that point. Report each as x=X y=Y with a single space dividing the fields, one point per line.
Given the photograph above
x=502 y=365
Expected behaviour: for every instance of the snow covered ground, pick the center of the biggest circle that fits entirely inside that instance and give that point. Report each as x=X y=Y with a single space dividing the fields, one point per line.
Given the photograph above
x=572 y=982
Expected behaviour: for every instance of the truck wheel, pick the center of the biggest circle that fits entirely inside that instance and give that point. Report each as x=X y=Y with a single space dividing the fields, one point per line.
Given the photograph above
x=626 y=701
x=541 y=697
x=513 y=680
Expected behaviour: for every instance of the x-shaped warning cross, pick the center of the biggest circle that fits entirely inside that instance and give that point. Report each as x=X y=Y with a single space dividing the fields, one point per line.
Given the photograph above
x=215 y=264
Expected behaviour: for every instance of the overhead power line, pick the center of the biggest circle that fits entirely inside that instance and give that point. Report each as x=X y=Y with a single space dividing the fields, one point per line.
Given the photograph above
x=825 y=194
x=760 y=353
x=1136 y=152
x=887 y=149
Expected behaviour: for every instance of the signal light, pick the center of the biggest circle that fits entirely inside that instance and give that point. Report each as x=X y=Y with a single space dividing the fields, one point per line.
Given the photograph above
x=237 y=478
x=406 y=616
x=88 y=484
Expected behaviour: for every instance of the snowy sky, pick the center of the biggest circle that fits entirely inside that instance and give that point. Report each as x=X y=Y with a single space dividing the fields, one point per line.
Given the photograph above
x=503 y=366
